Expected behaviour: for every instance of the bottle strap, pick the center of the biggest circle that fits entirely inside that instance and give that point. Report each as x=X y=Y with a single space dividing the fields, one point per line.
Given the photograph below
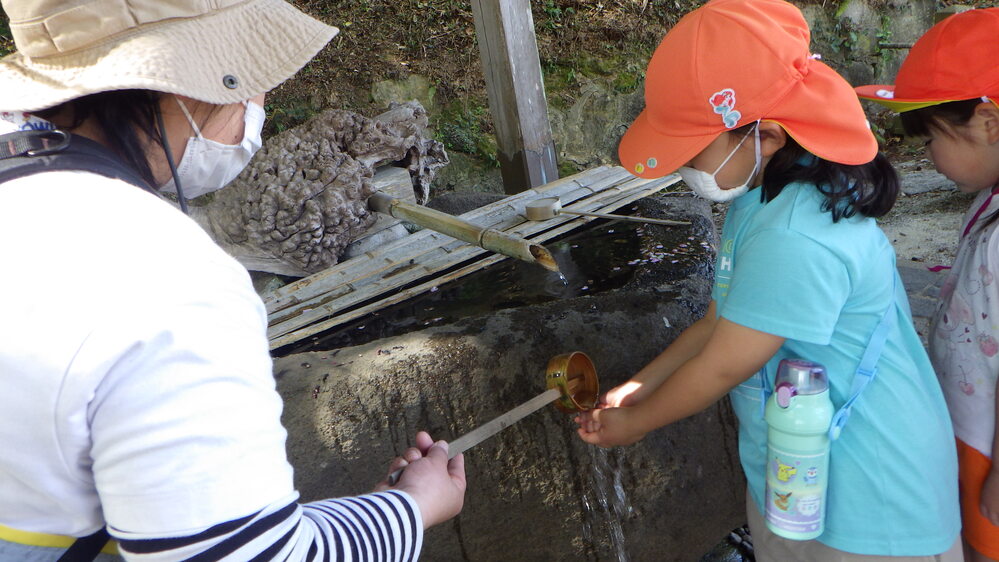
x=868 y=367
x=765 y=390
x=865 y=373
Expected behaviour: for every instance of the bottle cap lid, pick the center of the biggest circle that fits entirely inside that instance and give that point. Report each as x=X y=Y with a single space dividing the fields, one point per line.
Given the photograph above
x=806 y=377
x=785 y=391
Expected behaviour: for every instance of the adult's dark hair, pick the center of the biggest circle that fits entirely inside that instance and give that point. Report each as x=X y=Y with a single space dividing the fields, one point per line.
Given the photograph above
x=870 y=188
x=120 y=115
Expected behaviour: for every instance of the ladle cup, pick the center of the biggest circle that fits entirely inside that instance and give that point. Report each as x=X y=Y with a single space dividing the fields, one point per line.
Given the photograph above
x=572 y=385
x=551 y=207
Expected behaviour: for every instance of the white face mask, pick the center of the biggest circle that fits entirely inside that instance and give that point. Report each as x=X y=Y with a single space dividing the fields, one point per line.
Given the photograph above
x=208 y=165
x=704 y=184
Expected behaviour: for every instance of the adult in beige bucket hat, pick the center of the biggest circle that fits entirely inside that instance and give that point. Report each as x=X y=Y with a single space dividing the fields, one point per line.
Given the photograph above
x=220 y=52
x=138 y=386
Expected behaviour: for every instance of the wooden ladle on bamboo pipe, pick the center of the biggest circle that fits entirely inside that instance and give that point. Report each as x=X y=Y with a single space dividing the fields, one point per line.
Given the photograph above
x=551 y=207
x=572 y=385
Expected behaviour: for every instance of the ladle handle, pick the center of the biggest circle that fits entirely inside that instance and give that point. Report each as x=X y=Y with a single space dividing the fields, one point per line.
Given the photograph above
x=488 y=429
x=625 y=217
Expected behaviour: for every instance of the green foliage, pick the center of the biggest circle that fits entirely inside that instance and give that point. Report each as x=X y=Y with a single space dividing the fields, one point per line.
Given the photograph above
x=6 y=40
x=555 y=16
x=463 y=126
x=283 y=117
x=630 y=77
x=567 y=168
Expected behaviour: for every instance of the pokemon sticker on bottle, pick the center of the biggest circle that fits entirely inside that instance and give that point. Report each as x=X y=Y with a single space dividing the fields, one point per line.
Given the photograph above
x=794 y=493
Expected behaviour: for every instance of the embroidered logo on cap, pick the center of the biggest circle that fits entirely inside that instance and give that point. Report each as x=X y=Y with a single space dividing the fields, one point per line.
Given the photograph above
x=723 y=102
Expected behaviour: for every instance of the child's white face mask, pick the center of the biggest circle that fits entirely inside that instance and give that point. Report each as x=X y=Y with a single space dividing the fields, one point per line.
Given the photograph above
x=208 y=165
x=705 y=185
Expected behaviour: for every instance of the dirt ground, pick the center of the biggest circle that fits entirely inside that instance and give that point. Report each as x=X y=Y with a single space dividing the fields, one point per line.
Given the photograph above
x=924 y=224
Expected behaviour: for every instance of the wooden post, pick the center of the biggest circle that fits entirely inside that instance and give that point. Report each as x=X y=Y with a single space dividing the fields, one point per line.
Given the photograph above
x=512 y=67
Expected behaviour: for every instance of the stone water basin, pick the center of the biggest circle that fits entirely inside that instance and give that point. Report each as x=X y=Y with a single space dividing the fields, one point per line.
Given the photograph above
x=354 y=400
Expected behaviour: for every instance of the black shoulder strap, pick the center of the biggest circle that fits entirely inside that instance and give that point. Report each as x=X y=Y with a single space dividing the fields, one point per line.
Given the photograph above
x=24 y=153
x=85 y=549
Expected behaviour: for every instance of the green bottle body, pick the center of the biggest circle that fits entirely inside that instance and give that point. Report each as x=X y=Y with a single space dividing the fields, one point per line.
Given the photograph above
x=797 y=474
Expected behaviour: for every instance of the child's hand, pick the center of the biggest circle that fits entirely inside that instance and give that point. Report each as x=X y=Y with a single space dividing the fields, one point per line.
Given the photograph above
x=608 y=427
x=627 y=394
x=990 y=497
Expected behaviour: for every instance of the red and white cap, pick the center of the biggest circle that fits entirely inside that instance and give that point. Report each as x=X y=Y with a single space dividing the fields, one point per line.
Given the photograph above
x=955 y=60
x=734 y=62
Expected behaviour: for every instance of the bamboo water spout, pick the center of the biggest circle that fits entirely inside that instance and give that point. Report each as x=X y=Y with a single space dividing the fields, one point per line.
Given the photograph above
x=488 y=238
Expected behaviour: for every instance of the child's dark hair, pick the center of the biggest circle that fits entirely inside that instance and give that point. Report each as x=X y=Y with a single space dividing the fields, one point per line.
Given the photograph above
x=870 y=188
x=921 y=122
x=918 y=122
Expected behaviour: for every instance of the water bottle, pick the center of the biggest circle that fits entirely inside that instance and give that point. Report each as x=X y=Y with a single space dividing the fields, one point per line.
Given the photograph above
x=798 y=414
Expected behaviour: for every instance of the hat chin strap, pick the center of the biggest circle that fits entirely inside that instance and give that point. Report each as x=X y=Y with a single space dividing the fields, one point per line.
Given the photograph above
x=169 y=159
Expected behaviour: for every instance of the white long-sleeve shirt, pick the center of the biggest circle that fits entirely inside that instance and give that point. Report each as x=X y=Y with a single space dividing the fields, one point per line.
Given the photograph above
x=138 y=390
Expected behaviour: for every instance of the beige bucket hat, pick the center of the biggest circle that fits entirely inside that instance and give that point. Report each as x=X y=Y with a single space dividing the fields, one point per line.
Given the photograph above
x=217 y=51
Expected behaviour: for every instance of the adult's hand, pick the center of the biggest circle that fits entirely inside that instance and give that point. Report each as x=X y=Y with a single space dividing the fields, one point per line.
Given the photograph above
x=436 y=484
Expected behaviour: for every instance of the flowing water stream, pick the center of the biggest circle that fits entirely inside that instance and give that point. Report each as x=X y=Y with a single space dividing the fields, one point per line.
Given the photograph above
x=605 y=503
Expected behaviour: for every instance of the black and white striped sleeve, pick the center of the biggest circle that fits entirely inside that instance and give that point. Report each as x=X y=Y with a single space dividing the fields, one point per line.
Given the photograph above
x=384 y=526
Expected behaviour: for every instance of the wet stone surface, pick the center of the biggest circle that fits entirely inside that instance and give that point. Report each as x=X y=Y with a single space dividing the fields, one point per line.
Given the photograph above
x=535 y=491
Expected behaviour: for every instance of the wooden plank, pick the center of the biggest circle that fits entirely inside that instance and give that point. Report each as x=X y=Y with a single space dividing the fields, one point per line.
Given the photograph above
x=508 y=48
x=322 y=313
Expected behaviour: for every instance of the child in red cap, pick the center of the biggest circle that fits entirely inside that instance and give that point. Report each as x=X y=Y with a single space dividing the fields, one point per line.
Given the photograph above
x=947 y=90
x=735 y=100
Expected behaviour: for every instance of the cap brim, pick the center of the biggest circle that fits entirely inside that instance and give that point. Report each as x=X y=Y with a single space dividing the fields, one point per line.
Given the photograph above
x=649 y=153
x=825 y=117
x=261 y=43
x=885 y=95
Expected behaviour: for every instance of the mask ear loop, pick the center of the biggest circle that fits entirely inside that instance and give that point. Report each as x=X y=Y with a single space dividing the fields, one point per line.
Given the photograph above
x=190 y=119
x=758 y=156
x=756 y=163
x=169 y=154
x=730 y=154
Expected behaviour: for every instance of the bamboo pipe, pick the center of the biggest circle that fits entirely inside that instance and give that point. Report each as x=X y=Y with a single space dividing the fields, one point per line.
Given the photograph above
x=488 y=238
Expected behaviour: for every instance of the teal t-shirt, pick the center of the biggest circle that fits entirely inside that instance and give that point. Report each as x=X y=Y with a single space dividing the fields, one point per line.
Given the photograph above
x=786 y=269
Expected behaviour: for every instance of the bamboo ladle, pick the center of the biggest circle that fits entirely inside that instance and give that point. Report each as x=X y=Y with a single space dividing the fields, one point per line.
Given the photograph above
x=572 y=386
x=551 y=207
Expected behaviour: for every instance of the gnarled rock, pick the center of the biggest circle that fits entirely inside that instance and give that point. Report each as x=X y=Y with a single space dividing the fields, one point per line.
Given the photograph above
x=303 y=198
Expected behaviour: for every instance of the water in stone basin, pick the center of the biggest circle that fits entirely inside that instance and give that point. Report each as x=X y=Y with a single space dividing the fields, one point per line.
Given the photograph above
x=602 y=257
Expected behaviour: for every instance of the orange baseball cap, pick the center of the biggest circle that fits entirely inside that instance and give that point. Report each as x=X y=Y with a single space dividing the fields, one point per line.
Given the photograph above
x=955 y=60
x=734 y=62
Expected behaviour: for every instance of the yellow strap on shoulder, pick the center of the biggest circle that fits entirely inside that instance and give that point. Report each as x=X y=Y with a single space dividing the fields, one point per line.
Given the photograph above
x=32 y=538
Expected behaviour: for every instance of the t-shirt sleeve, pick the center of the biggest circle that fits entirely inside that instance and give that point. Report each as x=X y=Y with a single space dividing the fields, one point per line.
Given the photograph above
x=786 y=284
x=186 y=422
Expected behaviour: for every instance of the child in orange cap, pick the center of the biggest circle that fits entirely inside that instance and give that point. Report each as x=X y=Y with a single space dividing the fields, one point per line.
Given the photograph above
x=735 y=100
x=947 y=90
